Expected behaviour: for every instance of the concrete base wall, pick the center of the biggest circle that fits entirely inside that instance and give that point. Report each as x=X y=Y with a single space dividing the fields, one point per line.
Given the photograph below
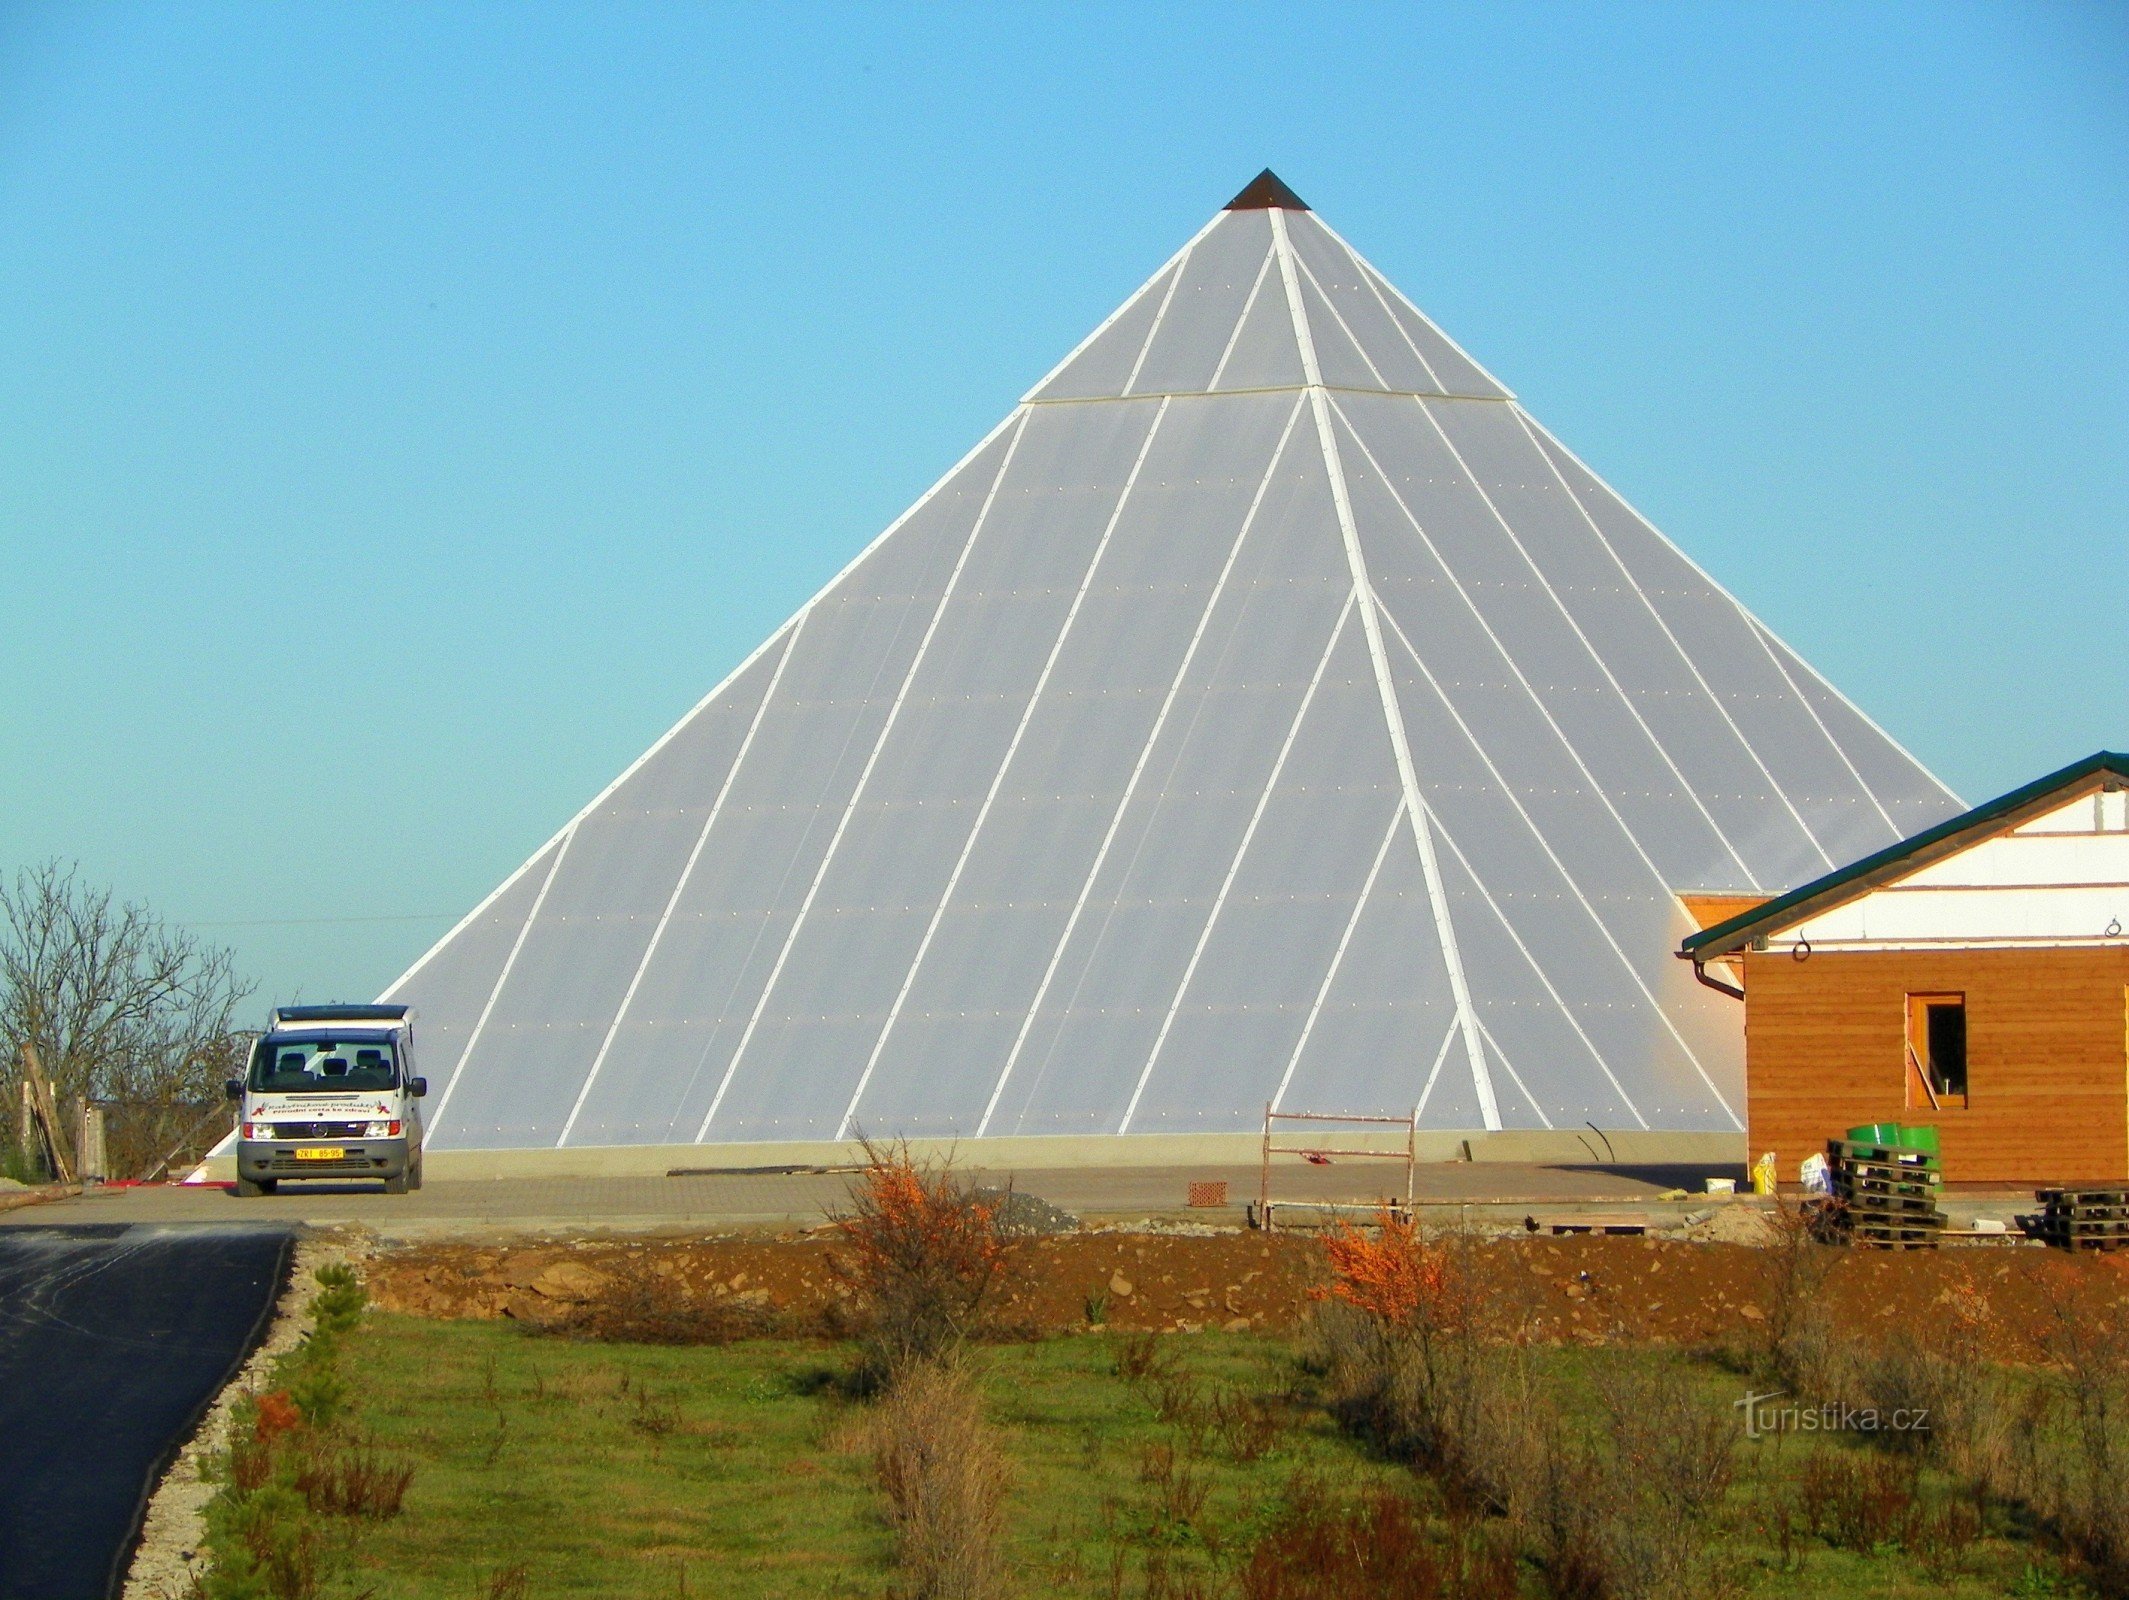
x=1092 y=1151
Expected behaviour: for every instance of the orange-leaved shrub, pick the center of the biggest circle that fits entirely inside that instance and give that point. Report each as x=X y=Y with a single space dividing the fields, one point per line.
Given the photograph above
x=1392 y=1274
x=277 y=1415
x=920 y=1250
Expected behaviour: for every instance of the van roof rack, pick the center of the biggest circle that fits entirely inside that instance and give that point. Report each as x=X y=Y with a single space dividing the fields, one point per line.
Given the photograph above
x=336 y=1013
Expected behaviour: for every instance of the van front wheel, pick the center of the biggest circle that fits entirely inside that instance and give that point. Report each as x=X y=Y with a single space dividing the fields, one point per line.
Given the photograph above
x=247 y=1190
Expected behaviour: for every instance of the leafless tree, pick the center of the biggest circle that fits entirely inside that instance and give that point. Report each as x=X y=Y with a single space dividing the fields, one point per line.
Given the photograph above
x=119 y=1006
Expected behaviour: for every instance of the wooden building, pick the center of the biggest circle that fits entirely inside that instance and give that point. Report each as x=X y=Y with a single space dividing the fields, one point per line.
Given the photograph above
x=1974 y=977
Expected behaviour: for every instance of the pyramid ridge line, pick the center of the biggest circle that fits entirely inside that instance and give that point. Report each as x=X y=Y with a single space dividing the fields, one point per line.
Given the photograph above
x=1389 y=283
x=1274 y=388
x=788 y=626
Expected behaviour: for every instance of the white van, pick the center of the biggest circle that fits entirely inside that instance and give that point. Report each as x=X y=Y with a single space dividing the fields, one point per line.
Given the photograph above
x=330 y=1093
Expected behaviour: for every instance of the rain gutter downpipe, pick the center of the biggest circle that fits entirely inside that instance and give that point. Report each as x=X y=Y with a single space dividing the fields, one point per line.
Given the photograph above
x=1700 y=971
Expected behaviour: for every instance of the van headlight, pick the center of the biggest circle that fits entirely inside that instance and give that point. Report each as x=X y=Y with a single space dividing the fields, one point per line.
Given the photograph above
x=380 y=1130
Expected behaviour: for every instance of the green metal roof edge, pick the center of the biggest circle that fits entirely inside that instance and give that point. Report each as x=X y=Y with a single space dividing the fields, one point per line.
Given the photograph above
x=1747 y=923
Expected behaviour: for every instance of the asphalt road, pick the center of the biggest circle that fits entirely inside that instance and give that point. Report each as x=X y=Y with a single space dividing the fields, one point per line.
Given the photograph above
x=114 y=1338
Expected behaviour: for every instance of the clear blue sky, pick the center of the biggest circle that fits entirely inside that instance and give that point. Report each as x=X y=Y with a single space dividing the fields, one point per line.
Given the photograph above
x=409 y=411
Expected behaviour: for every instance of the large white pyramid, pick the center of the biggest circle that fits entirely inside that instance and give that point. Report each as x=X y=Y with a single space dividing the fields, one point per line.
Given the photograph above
x=1267 y=710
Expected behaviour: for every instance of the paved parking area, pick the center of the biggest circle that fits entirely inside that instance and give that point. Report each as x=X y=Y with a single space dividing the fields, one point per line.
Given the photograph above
x=738 y=1199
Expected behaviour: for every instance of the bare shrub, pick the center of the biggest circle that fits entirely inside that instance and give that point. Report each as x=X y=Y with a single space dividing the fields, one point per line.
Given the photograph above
x=1182 y=1401
x=1858 y=1502
x=1178 y=1398
x=1565 y=1514
x=1942 y=1540
x=513 y=1582
x=1962 y=1408
x=921 y=1250
x=1248 y=1425
x=358 y=1482
x=1321 y=1548
x=2077 y=1435
x=251 y=1463
x=1179 y=1491
x=1795 y=1343
x=1166 y=1582
x=1140 y=1356
x=945 y=1481
x=1672 y=1458
x=655 y=1415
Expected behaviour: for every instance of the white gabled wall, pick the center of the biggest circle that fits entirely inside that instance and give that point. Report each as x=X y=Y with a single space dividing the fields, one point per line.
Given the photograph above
x=2059 y=878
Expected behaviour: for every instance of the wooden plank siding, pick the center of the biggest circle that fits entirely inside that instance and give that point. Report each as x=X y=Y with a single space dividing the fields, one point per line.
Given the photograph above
x=2047 y=1057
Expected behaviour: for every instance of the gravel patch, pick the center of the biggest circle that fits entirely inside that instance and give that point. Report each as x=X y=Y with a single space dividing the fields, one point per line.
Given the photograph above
x=1028 y=1216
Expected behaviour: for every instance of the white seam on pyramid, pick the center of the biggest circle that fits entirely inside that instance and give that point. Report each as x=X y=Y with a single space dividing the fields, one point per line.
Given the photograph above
x=1530 y=957
x=1385 y=685
x=1330 y=976
x=1234 y=337
x=699 y=706
x=1234 y=866
x=465 y=1055
x=1368 y=267
x=1145 y=755
x=474 y=915
x=1269 y=388
x=687 y=872
x=1516 y=1077
x=1027 y=715
x=1528 y=422
x=1587 y=644
x=1344 y=327
x=1759 y=631
x=857 y=794
x=1175 y=261
x=1545 y=844
x=1536 y=969
x=1404 y=333
x=1434 y=1072
x=1663 y=884
x=1160 y=316
x=1628 y=507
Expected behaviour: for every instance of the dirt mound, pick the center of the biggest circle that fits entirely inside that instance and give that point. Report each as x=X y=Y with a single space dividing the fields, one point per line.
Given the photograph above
x=1733 y=1224
x=1585 y=1289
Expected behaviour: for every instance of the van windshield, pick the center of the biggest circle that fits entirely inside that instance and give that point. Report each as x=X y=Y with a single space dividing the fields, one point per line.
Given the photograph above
x=310 y=1065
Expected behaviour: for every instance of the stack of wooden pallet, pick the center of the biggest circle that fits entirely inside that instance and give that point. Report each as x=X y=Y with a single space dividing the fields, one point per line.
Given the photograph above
x=1886 y=1194
x=2084 y=1219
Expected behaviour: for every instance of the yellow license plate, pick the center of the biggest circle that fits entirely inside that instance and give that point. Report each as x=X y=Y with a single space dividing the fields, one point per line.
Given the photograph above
x=319 y=1155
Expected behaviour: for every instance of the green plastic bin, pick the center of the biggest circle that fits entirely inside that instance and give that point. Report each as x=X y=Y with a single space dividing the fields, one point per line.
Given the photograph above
x=1896 y=1135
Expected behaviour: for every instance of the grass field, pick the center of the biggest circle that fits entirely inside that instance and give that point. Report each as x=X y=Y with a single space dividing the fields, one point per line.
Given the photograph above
x=553 y=1467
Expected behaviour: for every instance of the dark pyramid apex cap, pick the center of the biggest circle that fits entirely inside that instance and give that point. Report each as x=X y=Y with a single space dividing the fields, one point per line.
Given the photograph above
x=1265 y=192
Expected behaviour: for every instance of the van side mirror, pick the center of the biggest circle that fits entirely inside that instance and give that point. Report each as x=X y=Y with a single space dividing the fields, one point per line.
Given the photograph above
x=417 y=1087
x=234 y=1088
